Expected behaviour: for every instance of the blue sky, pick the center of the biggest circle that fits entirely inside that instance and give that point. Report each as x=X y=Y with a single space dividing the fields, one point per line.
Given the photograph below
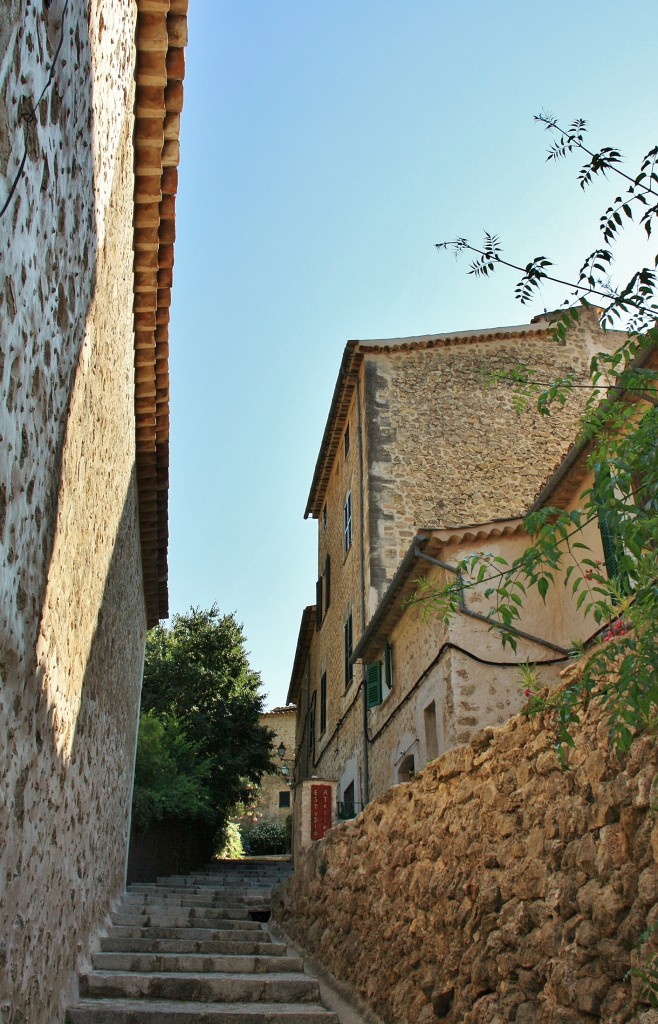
x=325 y=148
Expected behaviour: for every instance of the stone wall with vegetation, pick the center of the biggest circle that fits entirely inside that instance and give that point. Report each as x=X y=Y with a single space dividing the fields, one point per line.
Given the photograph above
x=493 y=887
x=73 y=620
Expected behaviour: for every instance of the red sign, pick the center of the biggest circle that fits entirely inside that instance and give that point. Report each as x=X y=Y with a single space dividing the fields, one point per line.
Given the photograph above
x=320 y=810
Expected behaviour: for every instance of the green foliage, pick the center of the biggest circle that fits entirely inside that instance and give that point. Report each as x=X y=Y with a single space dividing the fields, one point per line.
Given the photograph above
x=620 y=437
x=268 y=837
x=172 y=779
x=197 y=674
x=230 y=842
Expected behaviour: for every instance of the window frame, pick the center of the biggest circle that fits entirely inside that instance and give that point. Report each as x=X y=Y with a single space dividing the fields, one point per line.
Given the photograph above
x=347 y=522
x=348 y=647
x=323 y=703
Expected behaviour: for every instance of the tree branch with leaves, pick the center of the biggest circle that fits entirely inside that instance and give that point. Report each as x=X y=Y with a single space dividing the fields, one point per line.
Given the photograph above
x=619 y=439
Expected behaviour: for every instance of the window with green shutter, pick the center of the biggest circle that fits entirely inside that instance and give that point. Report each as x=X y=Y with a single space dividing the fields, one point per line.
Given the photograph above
x=609 y=524
x=374 y=684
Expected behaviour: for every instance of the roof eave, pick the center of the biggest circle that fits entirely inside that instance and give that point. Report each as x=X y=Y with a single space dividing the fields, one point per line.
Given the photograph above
x=304 y=639
x=338 y=410
x=159 y=72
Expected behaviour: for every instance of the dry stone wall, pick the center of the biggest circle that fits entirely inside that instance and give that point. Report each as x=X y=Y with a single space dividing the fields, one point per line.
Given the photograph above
x=494 y=886
x=72 y=624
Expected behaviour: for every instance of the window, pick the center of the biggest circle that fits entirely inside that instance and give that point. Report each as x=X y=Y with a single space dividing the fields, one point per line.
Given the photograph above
x=347 y=522
x=311 y=726
x=348 y=805
x=347 y=649
x=327 y=584
x=324 y=519
x=431 y=738
x=609 y=526
x=388 y=668
x=406 y=769
x=374 y=684
x=347 y=441
x=318 y=603
x=323 y=703
x=284 y=798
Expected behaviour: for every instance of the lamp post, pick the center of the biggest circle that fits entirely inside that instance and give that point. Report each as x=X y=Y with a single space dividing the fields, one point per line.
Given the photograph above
x=284 y=769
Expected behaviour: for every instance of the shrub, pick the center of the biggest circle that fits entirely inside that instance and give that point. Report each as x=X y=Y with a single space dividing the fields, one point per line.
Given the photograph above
x=265 y=838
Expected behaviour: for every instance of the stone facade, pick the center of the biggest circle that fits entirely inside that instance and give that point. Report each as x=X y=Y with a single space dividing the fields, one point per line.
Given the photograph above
x=493 y=887
x=417 y=444
x=74 y=610
x=274 y=797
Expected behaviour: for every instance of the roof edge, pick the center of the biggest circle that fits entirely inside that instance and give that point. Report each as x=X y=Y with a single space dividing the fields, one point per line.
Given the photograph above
x=160 y=68
x=304 y=638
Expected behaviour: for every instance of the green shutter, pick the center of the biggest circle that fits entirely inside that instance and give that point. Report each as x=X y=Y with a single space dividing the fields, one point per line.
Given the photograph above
x=609 y=524
x=374 y=684
x=607 y=528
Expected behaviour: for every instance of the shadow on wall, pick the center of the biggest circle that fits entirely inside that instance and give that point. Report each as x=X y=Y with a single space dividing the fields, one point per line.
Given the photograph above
x=66 y=829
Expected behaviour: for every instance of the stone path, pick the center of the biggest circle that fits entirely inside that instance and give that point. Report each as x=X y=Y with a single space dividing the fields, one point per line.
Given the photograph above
x=194 y=948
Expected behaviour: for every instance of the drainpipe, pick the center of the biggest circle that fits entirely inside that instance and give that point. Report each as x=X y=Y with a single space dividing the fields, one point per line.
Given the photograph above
x=478 y=615
x=365 y=795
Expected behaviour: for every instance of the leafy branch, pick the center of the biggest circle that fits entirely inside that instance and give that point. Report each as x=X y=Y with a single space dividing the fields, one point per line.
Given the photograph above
x=619 y=593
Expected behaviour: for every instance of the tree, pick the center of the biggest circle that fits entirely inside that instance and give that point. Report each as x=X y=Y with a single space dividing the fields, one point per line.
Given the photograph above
x=198 y=683
x=620 y=435
x=172 y=778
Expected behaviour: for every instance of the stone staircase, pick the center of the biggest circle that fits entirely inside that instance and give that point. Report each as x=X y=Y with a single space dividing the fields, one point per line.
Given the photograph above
x=193 y=949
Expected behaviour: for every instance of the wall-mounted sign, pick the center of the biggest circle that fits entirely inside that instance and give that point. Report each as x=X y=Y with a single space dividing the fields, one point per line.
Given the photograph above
x=320 y=810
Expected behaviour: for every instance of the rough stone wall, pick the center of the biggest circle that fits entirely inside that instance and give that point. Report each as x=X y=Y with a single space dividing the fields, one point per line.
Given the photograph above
x=446 y=449
x=73 y=622
x=494 y=887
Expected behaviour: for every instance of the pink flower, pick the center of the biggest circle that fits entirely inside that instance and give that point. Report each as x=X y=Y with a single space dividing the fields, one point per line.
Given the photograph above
x=527 y=692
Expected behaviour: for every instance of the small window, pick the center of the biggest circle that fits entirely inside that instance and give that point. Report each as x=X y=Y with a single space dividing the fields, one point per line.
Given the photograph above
x=347 y=806
x=324 y=519
x=347 y=649
x=431 y=737
x=311 y=726
x=406 y=769
x=318 y=603
x=323 y=703
x=284 y=798
x=327 y=583
x=388 y=668
x=347 y=521
x=347 y=441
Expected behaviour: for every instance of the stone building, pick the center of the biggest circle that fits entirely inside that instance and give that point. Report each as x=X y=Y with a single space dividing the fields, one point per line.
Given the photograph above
x=90 y=99
x=274 y=797
x=423 y=461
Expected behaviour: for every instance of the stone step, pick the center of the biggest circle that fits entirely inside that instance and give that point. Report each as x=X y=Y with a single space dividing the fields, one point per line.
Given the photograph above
x=196 y=963
x=211 y=881
x=200 y=987
x=183 y=899
x=131 y=1011
x=219 y=917
x=231 y=932
x=138 y=944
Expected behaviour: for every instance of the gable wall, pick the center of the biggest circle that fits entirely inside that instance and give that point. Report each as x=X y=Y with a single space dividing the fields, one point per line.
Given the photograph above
x=446 y=449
